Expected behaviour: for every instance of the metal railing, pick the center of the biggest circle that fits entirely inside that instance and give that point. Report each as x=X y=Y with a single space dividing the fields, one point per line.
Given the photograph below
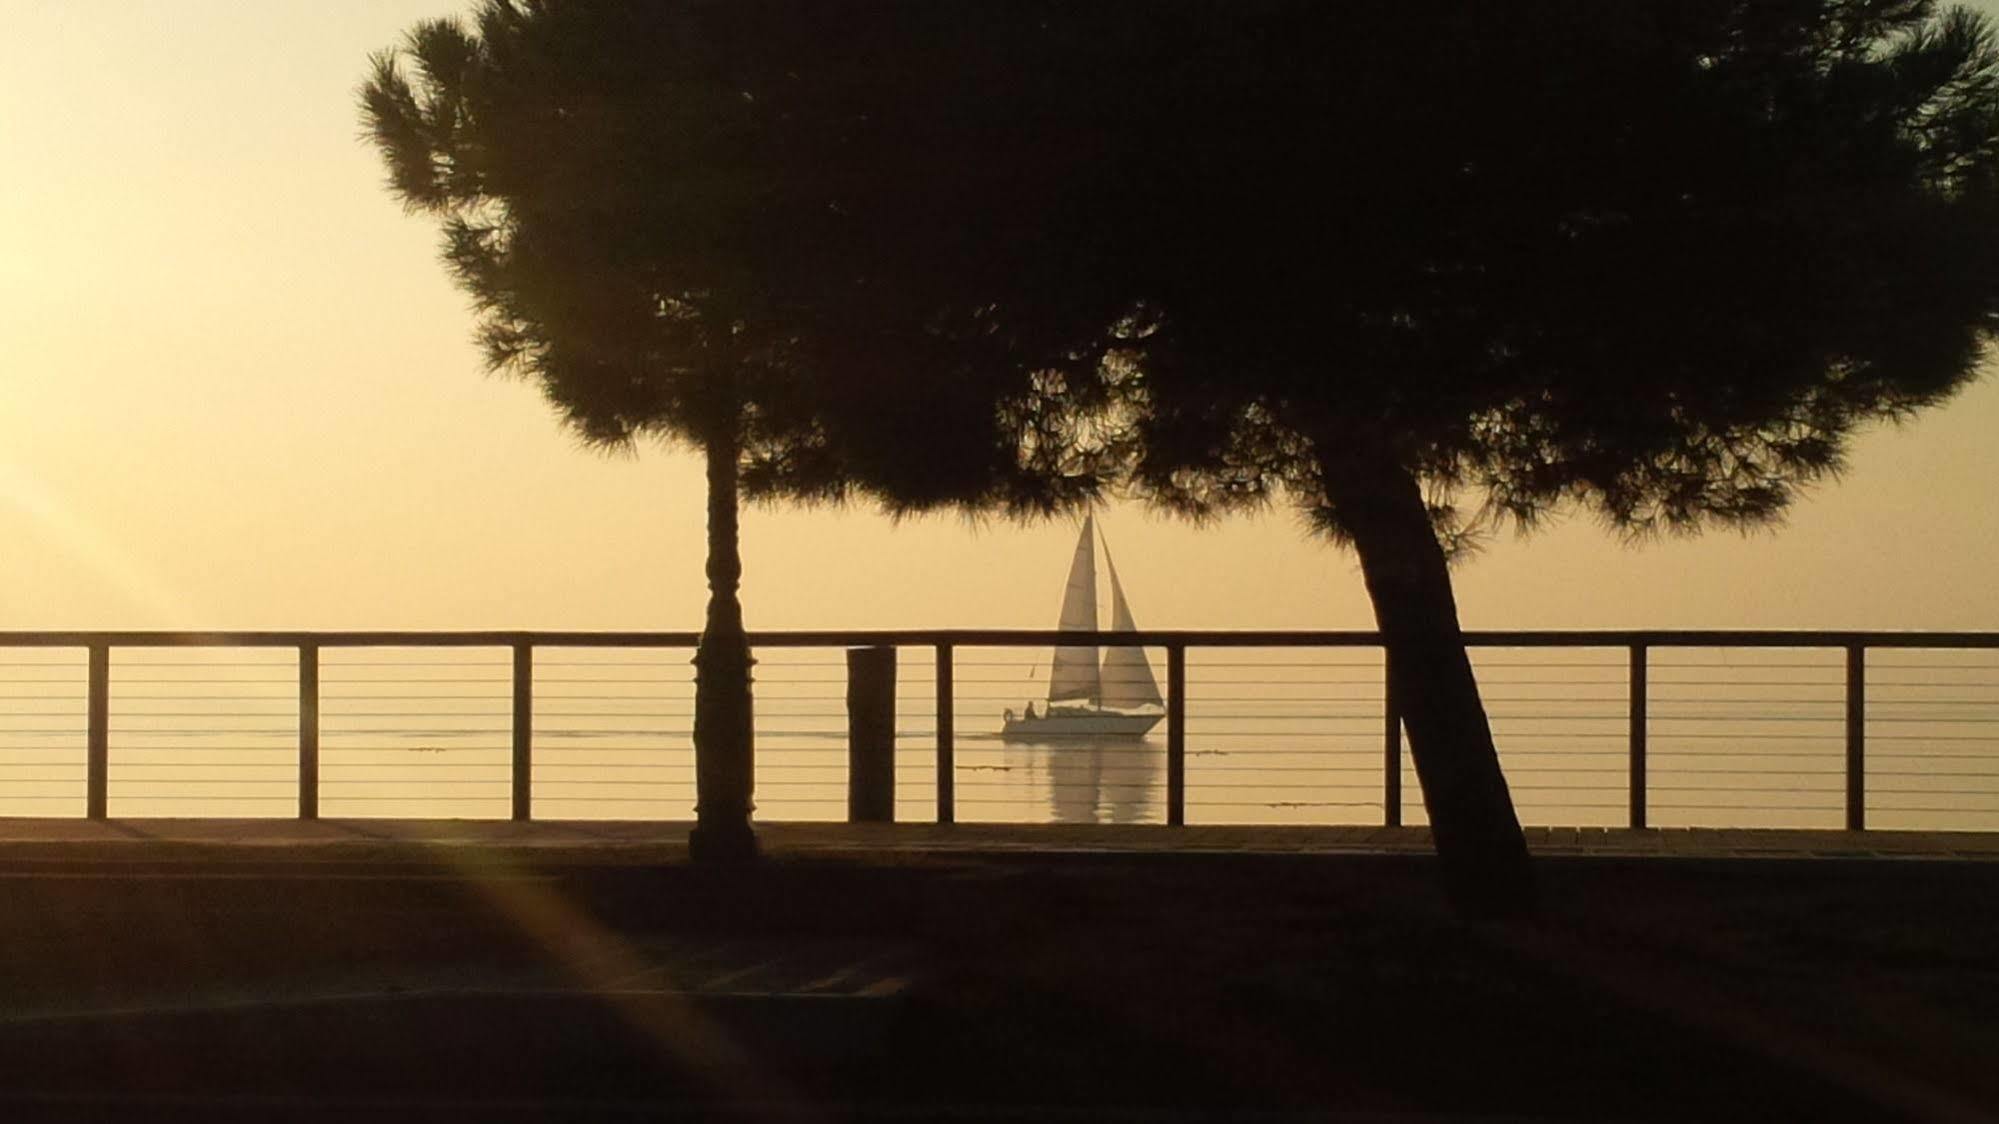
x=1610 y=728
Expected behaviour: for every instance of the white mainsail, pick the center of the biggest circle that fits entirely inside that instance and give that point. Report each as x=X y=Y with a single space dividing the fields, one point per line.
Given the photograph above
x=1074 y=673
x=1121 y=698
x=1127 y=675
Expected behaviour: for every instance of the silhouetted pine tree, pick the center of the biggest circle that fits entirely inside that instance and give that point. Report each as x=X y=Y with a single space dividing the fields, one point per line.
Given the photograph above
x=648 y=217
x=1474 y=262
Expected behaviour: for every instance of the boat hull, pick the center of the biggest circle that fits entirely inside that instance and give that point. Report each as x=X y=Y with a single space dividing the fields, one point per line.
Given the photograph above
x=1068 y=725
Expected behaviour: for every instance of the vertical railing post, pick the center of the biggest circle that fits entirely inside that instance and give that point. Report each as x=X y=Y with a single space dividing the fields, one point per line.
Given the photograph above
x=947 y=753
x=1176 y=734
x=97 y=735
x=1391 y=744
x=308 y=731
x=1639 y=693
x=871 y=735
x=523 y=771
x=1856 y=737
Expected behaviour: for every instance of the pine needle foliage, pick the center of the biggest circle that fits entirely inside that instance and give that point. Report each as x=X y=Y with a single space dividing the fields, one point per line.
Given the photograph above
x=669 y=217
x=1657 y=261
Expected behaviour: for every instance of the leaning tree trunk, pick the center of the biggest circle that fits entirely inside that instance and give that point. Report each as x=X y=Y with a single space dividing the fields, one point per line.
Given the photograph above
x=724 y=752
x=1477 y=834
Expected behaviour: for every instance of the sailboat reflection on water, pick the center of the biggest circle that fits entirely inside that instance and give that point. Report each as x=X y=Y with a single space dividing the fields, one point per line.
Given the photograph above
x=1100 y=780
x=1115 y=697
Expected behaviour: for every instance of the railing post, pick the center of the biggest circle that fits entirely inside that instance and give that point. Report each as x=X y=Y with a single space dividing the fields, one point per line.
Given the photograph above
x=871 y=735
x=523 y=771
x=1638 y=723
x=1176 y=734
x=308 y=731
x=1391 y=744
x=947 y=763
x=1856 y=737
x=97 y=735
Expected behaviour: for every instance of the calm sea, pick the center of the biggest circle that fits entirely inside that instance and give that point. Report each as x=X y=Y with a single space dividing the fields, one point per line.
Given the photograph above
x=1736 y=737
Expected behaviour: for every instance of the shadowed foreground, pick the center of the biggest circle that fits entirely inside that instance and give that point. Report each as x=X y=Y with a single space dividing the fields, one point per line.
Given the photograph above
x=413 y=980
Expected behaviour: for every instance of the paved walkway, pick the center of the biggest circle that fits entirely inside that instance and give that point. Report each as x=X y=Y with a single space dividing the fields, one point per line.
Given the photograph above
x=450 y=969
x=657 y=841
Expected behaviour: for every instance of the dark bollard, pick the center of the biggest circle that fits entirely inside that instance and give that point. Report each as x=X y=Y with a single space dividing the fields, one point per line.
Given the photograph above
x=871 y=735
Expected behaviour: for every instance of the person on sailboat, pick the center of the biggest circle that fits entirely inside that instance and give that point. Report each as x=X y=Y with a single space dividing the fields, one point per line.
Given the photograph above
x=1093 y=693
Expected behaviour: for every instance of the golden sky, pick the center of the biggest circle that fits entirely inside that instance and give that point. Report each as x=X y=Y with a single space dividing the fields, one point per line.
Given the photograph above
x=237 y=391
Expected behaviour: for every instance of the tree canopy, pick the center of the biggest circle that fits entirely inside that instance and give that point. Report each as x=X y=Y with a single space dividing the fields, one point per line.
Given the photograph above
x=654 y=209
x=1656 y=259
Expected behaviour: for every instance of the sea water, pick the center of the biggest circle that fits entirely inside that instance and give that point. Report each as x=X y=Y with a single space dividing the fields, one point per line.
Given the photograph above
x=1742 y=737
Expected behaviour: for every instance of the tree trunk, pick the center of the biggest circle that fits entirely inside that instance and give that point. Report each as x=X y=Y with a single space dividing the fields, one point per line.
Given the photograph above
x=724 y=747
x=1478 y=838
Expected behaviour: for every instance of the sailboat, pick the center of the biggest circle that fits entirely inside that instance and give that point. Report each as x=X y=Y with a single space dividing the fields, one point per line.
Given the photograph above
x=1088 y=697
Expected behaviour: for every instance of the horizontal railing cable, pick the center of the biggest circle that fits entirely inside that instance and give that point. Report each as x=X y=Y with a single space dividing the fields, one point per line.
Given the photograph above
x=1594 y=728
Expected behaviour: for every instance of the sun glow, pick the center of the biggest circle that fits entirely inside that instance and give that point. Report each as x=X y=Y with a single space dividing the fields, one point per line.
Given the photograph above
x=26 y=501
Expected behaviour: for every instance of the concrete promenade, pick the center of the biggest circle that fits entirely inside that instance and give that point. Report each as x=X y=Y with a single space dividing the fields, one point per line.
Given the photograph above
x=614 y=841
x=458 y=970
